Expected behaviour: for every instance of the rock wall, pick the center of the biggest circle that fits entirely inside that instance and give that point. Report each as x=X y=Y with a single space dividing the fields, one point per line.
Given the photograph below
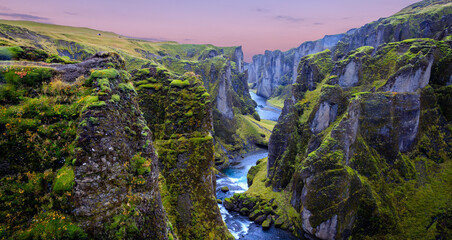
x=182 y=110
x=356 y=126
x=116 y=168
x=276 y=68
x=89 y=167
x=225 y=79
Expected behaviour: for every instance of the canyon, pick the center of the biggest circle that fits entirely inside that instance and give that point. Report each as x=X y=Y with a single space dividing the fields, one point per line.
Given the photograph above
x=108 y=137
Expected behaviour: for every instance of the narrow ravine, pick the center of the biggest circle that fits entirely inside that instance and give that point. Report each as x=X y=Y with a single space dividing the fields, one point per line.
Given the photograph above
x=234 y=178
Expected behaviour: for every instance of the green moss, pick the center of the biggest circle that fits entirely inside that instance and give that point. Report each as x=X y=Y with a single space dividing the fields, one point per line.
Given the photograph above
x=141 y=82
x=64 y=180
x=127 y=87
x=180 y=83
x=83 y=123
x=97 y=104
x=104 y=84
x=140 y=164
x=144 y=71
x=124 y=225
x=266 y=223
x=115 y=98
x=54 y=225
x=92 y=102
x=155 y=86
x=94 y=120
x=110 y=73
x=189 y=113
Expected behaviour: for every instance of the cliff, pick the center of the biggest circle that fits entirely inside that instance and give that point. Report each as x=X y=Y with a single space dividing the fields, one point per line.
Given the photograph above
x=179 y=112
x=362 y=148
x=223 y=75
x=78 y=159
x=426 y=19
x=364 y=136
x=276 y=68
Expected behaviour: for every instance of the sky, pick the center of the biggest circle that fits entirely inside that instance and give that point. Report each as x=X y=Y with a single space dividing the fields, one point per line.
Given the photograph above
x=256 y=25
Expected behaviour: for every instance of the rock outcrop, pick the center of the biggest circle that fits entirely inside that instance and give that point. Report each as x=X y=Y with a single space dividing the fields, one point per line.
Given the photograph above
x=364 y=121
x=182 y=110
x=224 y=99
x=225 y=79
x=116 y=167
x=89 y=160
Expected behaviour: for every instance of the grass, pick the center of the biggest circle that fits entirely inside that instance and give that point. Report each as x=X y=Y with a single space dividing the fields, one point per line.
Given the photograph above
x=267 y=124
x=249 y=128
x=282 y=199
x=423 y=204
x=108 y=41
x=276 y=102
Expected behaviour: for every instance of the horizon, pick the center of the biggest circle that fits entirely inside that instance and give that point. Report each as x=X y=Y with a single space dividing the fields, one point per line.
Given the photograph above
x=257 y=26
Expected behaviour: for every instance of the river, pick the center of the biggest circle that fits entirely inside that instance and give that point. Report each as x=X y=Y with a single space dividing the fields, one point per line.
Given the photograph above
x=264 y=110
x=234 y=178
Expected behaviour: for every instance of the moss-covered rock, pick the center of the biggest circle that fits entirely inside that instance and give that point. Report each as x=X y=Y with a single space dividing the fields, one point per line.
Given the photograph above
x=267 y=223
x=64 y=180
x=179 y=114
x=378 y=135
x=225 y=189
x=116 y=153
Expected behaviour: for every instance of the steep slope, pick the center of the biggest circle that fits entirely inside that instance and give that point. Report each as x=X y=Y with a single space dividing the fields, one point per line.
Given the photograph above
x=426 y=19
x=179 y=113
x=225 y=81
x=359 y=138
x=72 y=167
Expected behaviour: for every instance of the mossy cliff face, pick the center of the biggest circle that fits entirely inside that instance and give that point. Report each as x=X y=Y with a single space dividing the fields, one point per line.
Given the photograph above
x=426 y=19
x=363 y=136
x=38 y=127
x=78 y=159
x=116 y=175
x=283 y=137
x=222 y=73
x=181 y=108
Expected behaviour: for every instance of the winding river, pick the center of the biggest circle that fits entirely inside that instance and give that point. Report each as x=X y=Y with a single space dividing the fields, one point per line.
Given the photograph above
x=234 y=178
x=264 y=110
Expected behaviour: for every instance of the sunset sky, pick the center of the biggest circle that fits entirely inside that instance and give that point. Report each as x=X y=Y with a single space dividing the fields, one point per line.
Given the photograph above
x=257 y=25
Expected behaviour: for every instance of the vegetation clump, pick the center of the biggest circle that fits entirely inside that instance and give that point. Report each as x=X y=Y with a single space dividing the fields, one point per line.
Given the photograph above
x=64 y=180
x=180 y=83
